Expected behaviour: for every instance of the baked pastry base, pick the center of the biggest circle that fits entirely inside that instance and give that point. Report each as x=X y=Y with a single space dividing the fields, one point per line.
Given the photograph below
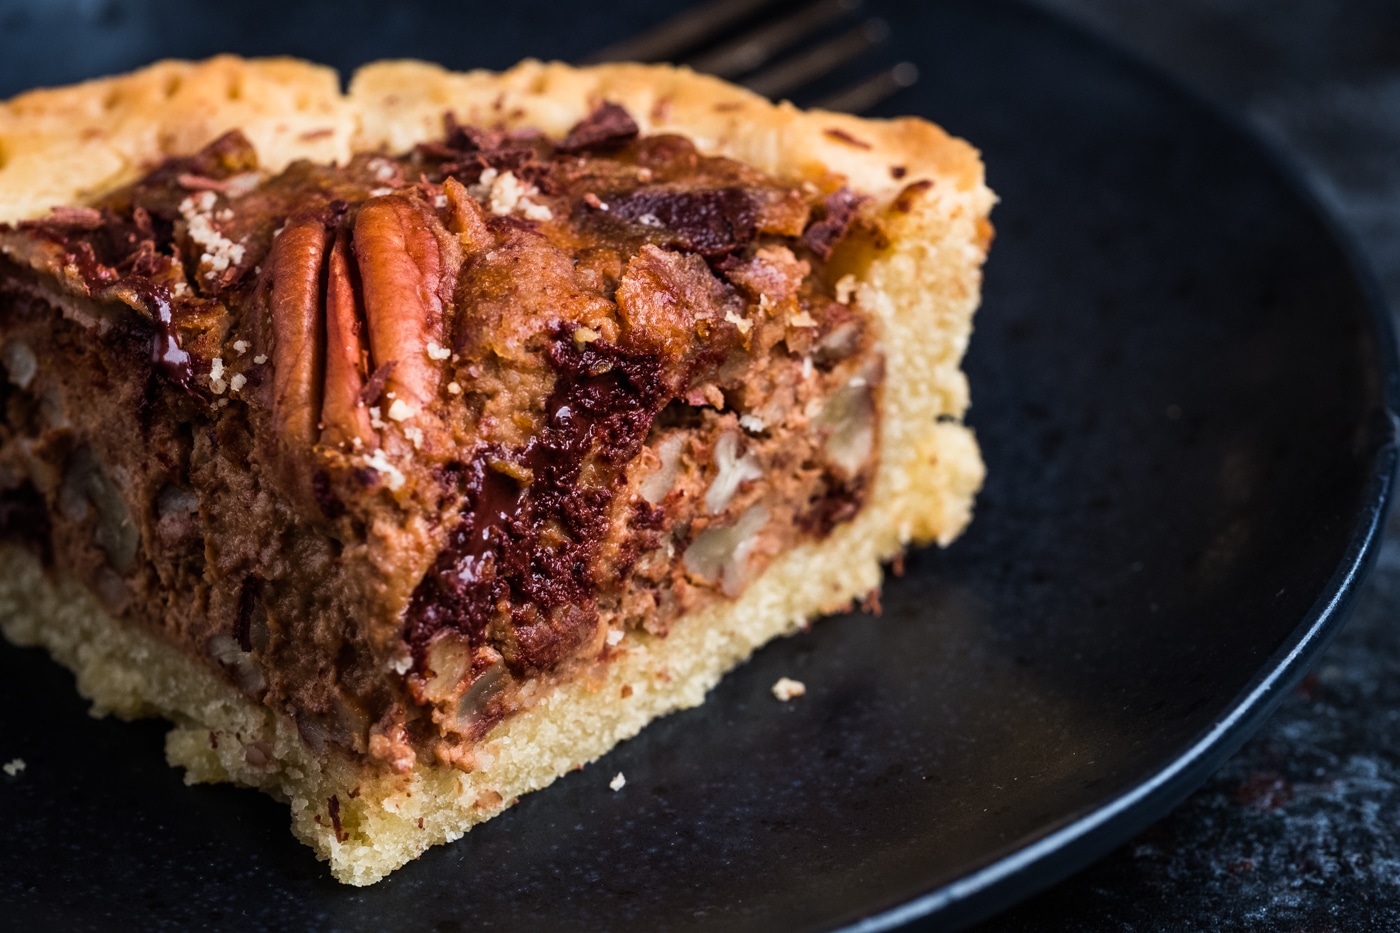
x=219 y=735
x=921 y=289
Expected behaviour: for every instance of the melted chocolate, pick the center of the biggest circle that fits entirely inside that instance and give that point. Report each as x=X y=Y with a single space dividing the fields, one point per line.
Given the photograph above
x=534 y=549
x=708 y=221
x=166 y=353
x=833 y=503
x=462 y=589
x=113 y=251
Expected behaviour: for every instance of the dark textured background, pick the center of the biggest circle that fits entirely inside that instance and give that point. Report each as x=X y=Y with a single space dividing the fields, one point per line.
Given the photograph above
x=1301 y=830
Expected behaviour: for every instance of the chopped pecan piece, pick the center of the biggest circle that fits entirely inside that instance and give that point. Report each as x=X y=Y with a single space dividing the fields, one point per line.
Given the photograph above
x=465 y=216
x=709 y=221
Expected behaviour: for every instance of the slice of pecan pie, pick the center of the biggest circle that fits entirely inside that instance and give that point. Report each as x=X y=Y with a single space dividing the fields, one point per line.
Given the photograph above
x=411 y=447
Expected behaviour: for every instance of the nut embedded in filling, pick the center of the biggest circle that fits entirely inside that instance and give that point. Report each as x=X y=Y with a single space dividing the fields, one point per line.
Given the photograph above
x=399 y=445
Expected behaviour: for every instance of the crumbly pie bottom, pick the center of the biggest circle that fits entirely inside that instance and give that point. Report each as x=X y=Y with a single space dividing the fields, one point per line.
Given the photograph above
x=367 y=823
x=916 y=279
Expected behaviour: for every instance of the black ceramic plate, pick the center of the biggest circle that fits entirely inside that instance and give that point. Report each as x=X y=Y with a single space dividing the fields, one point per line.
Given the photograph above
x=1181 y=385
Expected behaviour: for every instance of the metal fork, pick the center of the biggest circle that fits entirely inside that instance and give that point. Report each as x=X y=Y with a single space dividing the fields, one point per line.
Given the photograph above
x=762 y=58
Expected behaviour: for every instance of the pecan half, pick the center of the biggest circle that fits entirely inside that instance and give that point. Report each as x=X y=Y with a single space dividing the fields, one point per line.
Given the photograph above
x=344 y=415
x=405 y=263
x=295 y=263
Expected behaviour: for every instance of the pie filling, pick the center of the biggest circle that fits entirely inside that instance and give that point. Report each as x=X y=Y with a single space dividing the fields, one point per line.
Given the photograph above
x=398 y=445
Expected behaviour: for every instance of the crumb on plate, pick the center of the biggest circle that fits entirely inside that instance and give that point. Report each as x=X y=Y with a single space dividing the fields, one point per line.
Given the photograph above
x=786 y=688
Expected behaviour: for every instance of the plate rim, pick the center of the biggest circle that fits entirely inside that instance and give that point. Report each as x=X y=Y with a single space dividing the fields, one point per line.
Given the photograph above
x=1066 y=850
x=1072 y=845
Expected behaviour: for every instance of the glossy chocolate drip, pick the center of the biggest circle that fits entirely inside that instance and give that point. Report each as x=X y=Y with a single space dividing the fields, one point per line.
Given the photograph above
x=534 y=549
x=166 y=353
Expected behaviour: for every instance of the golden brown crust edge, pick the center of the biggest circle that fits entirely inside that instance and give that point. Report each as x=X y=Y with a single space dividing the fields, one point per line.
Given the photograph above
x=401 y=103
x=63 y=145
x=922 y=290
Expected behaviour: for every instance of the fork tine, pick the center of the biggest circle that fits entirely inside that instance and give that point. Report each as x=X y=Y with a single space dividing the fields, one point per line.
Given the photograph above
x=680 y=33
x=863 y=95
x=787 y=76
x=759 y=47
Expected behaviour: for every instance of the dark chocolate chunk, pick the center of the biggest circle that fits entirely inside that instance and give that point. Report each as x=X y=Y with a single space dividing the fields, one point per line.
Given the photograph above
x=602 y=408
x=609 y=125
x=831 y=505
x=167 y=354
x=709 y=221
x=461 y=137
x=840 y=209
